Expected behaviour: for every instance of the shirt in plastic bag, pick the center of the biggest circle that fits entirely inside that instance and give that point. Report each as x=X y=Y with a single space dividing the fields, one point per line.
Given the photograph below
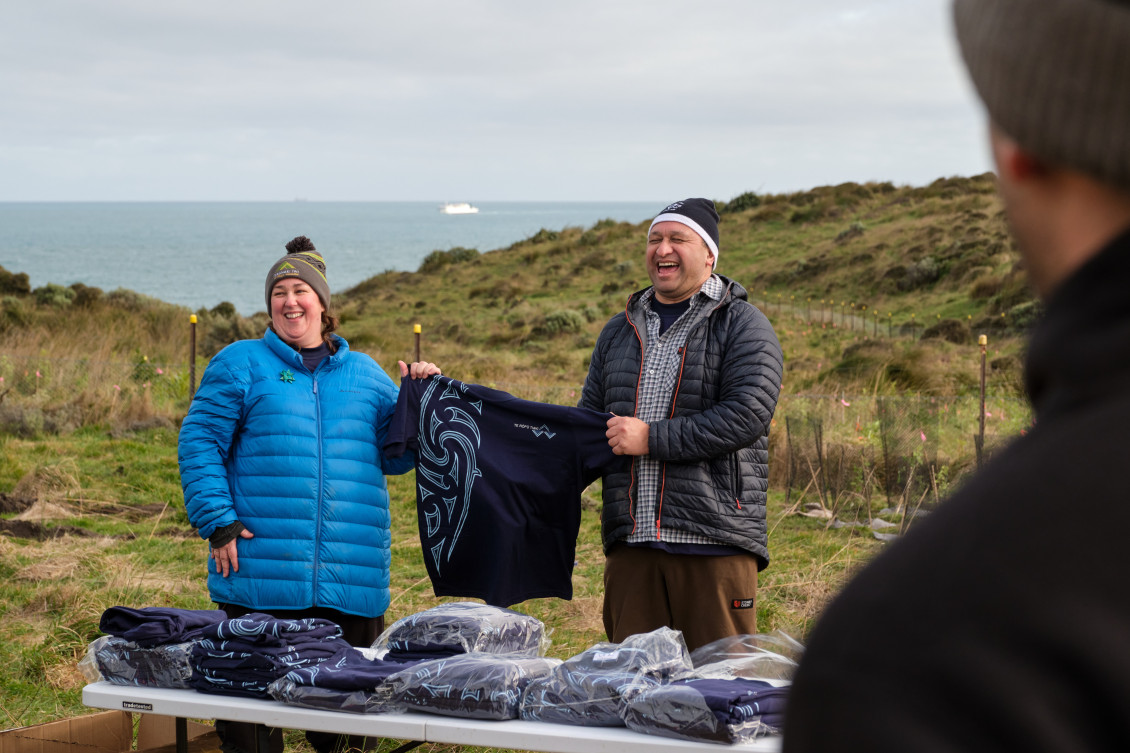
x=463 y=627
x=348 y=681
x=471 y=686
x=590 y=688
x=123 y=662
x=721 y=711
x=764 y=656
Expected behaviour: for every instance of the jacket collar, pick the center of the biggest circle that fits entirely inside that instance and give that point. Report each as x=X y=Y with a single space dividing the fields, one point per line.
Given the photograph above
x=1080 y=350
x=290 y=356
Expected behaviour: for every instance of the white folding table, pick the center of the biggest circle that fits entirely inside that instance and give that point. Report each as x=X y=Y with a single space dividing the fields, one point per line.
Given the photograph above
x=413 y=725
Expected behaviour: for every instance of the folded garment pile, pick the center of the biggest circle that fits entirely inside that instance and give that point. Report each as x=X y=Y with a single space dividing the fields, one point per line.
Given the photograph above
x=243 y=656
x=459 y=659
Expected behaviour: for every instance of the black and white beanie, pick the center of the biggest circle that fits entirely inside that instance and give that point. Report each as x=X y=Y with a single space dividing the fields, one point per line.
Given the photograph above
x=697 y=214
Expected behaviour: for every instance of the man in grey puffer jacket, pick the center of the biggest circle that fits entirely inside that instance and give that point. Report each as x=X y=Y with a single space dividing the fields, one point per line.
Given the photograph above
x=692 y=371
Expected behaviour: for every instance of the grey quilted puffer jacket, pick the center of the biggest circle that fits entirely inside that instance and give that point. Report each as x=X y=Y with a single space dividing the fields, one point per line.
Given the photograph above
x=715 y=443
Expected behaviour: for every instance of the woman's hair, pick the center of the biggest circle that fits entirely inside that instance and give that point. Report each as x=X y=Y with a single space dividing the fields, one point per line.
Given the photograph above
x=329 y=324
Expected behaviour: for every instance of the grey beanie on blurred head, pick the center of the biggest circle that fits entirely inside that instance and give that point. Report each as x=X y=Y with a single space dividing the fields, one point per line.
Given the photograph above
x=303 y=261
x=1055 y=76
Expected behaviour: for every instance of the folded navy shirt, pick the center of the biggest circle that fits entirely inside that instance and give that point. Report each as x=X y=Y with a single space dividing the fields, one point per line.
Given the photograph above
x=154 y=626
x=498 y=486
x=591 y=688
x=462 y=627
x=243 y=656
x=471 y=686
x=723 y=711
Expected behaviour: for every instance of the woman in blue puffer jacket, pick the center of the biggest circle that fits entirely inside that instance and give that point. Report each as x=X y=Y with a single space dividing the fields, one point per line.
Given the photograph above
x=281 y=463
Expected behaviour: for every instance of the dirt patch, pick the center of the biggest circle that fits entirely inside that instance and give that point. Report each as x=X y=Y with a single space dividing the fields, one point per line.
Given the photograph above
x=29 y=529
x=10 y=503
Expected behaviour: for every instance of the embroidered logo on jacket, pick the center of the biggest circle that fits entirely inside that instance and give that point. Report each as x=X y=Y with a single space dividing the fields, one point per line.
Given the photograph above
x=742 y=604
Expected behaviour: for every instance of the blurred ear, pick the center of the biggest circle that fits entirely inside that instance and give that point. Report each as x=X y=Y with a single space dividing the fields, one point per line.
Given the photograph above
x=1014 y=164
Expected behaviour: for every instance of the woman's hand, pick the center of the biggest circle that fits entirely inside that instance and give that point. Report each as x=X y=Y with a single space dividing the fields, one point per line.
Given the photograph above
x=226 y=556
x=418 y=369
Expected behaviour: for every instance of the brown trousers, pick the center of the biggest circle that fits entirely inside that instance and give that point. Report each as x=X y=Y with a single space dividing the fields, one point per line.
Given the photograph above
x=706 y=597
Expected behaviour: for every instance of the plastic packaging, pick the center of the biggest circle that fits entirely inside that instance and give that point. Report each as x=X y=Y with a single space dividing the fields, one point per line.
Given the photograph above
x=471 y=686
x=377 y=700
x=765 y=656
x=721 y=711
x=123 y=662
x=590 y=689
x=463 y=627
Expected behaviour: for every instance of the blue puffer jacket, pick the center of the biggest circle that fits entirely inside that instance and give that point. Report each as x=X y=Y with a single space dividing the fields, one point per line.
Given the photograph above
x=295 y=456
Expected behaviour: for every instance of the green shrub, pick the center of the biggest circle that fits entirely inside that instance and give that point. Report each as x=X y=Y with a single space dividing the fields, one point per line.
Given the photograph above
x=15 y=283
x=437 y=260
x=740 y=203
x=563 y=321
x=53 y=295
x=86 y=296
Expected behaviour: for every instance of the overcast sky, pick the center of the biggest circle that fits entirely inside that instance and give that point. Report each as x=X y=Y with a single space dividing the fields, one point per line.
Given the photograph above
x=477 y=100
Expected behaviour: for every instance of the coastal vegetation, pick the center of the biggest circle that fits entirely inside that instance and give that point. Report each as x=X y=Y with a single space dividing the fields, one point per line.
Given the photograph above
x=878 y=294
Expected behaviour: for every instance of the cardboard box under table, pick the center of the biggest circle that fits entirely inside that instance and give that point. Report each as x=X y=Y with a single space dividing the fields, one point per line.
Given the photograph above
x=415 y=726
x=110 y=732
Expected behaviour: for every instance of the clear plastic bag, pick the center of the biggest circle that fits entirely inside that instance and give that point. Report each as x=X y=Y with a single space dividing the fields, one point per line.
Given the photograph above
x=764 y=656
x=123 y=662
x=721 y=711
x=464 y=627
x=376 y=700
x=591 y=688
x=471 y=686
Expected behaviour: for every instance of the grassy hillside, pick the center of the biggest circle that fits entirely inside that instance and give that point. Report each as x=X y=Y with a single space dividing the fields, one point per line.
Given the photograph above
x=877 y=293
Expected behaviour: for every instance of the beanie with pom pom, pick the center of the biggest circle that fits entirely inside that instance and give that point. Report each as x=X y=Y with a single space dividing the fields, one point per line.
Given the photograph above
x=303 y=261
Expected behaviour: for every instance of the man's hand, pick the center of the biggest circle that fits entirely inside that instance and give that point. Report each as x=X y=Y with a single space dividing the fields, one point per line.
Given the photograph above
x=627 y=435
x=227 y=558
x=418 y=369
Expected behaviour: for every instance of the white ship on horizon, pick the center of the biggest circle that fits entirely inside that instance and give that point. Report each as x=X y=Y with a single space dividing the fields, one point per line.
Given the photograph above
x=458 y=207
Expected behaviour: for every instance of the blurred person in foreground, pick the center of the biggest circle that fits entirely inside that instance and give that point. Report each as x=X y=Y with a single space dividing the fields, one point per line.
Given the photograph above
x=692 y=371
x=1001 y=622
x=283 y=474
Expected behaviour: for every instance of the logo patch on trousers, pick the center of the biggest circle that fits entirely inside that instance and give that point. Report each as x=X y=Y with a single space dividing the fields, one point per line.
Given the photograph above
x=742 y=604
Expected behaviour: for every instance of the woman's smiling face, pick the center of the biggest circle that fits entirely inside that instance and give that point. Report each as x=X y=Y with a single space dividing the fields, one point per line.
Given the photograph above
x=296 y=313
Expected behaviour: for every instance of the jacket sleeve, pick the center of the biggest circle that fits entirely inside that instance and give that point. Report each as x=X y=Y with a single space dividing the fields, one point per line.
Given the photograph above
x=592 y=394
x=205 y=441
x=749 y=383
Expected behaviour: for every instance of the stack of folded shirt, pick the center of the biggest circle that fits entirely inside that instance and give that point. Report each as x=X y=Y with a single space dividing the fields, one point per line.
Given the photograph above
x=471 y=686
x=348 y=681
x=149 y=646
x=155 y=626
x=243 y=656
x=462 y=627
x=722 y=711
x=123 y=662
x=590 y=689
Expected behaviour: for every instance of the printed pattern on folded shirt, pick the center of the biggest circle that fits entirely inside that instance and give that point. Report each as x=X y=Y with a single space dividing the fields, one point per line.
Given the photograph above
x=471 y=686
x=591 y=688
x=243 y=656
x=463 y=627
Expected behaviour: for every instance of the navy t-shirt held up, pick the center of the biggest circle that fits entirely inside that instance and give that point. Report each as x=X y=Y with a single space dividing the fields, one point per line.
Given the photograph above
x=498 y=486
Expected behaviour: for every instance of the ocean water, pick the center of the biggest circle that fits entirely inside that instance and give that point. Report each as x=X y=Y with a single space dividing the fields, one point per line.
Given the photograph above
x=198 y=254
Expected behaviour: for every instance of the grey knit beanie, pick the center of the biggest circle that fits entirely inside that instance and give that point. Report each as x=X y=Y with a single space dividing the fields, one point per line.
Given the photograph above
x=303 y=261
x=1055 y=76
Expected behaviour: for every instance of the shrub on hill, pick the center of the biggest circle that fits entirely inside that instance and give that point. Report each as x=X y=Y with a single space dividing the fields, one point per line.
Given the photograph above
x=14 y=283
x=437 y=260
